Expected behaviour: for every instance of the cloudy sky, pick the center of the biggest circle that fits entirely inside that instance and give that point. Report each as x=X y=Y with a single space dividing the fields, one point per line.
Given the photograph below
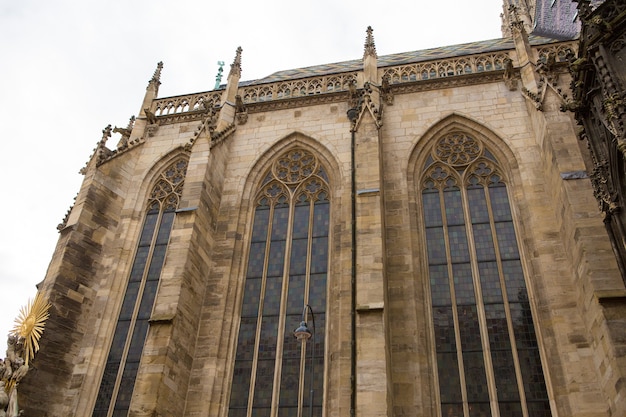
x=70 y=67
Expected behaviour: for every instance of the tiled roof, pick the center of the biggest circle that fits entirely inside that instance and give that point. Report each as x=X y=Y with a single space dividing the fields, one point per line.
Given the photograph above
x=556 y=19
x=403 y=58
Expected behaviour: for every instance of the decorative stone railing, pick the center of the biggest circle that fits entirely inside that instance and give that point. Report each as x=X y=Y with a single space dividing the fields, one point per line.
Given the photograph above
x=297 y=88
x=429 y=70
x=181 y=104
x=561 y=51
x=305 y=87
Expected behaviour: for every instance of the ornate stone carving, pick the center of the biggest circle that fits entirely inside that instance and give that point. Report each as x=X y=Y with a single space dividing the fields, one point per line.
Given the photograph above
x=385 y=91
x=599 y=106
x=168 y=189
x=457 y=149
x=509 y=75
x=125 y=132
x=152 y=129
x=305 y=87
x=102 y=152
x=156 y=77
x=240 y=110
x=295 y=166
x=370 y=48
x=235 y=67
x=607 y=199
x=297 y=171
x=185 y=104
x=360 y=101
x=444 y=68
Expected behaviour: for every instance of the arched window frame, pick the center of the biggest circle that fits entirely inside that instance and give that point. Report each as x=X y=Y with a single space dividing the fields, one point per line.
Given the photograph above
x=283 y=186
x=123 y=359
x=449 y=148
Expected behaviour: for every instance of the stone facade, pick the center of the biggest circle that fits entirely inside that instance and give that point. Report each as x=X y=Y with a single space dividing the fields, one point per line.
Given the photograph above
x=371 y=124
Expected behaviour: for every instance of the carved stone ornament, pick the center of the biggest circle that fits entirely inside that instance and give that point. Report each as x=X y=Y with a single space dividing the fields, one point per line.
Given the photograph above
x=125 y=132
x=150 y=116
x=547 y=69
x=370 y=47
x=102 y=152
x=607 y=200
x=152 y=129
x=385 y=91
x=240 y=110
x=360 y=101
x=457 y=149
x=509 y=75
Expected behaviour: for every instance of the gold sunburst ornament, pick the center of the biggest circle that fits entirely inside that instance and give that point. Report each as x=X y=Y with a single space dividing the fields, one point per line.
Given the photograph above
x=29 y=325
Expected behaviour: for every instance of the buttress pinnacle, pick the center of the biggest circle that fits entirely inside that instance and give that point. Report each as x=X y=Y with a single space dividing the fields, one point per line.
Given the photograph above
x=156 y=78
x=370 y=48
x=235 y=67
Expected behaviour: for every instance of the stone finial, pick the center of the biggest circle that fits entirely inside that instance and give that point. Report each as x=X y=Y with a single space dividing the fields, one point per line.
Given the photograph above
x=235 y=67
x=106 y=134
x=102 y=152
x=156 y=78
x=515 y=21
x=370 y=48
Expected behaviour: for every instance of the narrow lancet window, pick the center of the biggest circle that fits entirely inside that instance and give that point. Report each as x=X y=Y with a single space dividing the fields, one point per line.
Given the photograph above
x=486 y=350
x=122 y=365
x=286 y=270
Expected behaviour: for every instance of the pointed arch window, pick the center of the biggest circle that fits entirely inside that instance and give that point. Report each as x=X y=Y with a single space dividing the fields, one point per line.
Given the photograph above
x=287 y=269
x=122 y=365
x=487 y=356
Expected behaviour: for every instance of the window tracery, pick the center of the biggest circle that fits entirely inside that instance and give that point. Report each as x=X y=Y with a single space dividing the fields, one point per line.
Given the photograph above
x=486 y=350
x=287 y=269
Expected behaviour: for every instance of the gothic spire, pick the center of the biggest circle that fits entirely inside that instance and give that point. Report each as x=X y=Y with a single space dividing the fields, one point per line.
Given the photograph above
x=370 y=48
x=156 y=78
x=235 y=67
x=227 y=111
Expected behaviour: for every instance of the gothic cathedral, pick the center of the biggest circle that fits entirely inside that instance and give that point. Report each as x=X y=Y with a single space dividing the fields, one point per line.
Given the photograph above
x=401 y=235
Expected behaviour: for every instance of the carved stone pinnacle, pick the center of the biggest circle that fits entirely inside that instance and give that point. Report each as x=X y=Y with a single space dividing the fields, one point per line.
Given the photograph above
x=370 y=48
x=235 y=67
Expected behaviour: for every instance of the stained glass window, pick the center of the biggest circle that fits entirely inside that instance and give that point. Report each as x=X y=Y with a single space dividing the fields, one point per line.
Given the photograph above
x=484 y=337
x=286 y=270
x=122 y=365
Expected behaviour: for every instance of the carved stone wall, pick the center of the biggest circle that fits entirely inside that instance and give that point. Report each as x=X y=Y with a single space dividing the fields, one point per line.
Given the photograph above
x=599 y=87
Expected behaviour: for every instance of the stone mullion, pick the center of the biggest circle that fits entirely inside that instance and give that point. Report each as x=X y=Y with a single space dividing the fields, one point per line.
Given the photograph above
x=257 y=337
x=480 y=305
x=505 y=301
x=453 y=304
x=282 y=317
x=303 y=348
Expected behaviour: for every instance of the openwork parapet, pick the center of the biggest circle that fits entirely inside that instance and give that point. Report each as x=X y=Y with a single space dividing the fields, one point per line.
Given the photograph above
x=298 y=88
x=446 y=68
x=561 y=51
x=182 y=104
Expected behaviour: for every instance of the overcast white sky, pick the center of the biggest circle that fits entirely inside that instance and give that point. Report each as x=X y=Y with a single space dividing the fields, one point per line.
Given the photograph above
x=70 y=67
